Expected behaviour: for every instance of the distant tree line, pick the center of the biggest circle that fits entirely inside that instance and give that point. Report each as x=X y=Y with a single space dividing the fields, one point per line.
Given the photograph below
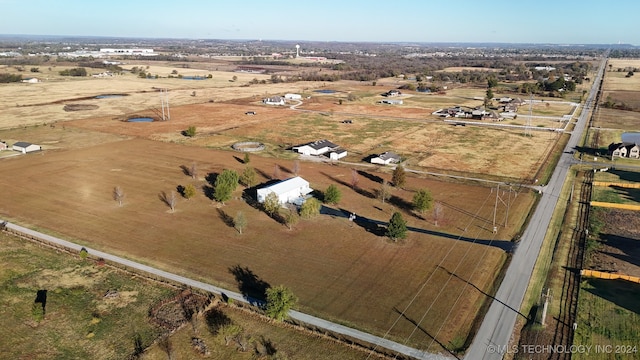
x=9 y=78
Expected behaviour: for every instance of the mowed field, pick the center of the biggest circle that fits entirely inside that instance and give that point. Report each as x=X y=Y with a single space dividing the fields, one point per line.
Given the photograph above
x=340 y=270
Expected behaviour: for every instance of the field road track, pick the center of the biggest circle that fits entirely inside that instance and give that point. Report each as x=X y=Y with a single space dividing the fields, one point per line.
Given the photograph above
x=296 y=315
x=492 y=339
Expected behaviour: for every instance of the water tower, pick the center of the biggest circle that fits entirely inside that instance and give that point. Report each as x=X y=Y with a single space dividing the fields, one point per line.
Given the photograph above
x=297 y=50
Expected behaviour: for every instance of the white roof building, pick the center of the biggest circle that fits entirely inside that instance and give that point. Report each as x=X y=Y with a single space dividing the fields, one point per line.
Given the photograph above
x=293 y=96
x=25 y=147
x=386 y=158
x=293 y=190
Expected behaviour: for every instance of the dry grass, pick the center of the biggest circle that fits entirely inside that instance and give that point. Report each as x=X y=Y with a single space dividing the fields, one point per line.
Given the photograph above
x=72 y=196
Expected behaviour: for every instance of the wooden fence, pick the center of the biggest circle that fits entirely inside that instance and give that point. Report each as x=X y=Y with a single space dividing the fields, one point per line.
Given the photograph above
x=609 y=276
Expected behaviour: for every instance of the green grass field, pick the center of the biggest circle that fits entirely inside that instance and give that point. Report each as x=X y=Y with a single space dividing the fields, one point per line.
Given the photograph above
x=608 y=317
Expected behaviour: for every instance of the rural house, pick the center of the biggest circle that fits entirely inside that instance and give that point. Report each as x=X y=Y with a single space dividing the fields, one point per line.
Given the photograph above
x=319 y=147
x=386 y=158
x=293 y=190
x=274 y=100
x=624 y=149
x=25 y=147
x=322 y=147
x=392 y=93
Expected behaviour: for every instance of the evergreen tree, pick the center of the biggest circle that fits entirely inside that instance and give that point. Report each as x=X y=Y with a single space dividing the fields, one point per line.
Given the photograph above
x=397 y=228
x=225 y=184
x=248 y=177
x=422 y=200
x=279 y=301
x=332 y=195
x=399 y=177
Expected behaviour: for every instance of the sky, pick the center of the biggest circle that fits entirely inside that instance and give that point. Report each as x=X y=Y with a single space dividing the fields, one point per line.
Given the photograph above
x=471 y=21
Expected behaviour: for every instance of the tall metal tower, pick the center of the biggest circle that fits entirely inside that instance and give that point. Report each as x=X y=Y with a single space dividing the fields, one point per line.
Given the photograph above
x=527 y=126
x=164 y=101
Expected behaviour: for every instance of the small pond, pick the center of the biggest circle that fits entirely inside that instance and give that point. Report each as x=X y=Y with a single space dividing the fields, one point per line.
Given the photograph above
x=194 y=78
x=140 y=119
x=631 y=137
x=325 y=91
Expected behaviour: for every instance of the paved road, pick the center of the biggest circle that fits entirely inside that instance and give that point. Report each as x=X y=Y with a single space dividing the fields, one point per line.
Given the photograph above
x=494 y=334
x=296 y=315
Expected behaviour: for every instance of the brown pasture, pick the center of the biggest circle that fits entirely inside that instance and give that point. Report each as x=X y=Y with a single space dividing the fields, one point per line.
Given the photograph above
x=340 y=270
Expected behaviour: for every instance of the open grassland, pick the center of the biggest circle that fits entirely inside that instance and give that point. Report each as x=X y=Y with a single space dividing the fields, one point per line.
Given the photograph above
x=432 y=145
x=78 y=322
x=608 y=316
x=357 y=277
x=285 y=342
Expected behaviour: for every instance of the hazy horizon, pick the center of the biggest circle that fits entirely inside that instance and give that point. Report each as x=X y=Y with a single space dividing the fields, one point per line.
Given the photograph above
x=404 y=21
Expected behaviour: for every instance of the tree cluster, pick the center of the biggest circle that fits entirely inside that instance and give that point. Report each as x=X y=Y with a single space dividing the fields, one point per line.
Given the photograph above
x=225 y=184
x=79 y=71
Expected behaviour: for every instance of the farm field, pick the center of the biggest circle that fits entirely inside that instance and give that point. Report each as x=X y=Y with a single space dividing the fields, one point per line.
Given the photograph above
x=346 y=278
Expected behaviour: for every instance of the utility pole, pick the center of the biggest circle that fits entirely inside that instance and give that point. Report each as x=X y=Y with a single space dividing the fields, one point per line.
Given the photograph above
x=545 y=306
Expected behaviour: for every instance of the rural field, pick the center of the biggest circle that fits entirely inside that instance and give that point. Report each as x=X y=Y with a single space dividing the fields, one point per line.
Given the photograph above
x=348 y=272
x=93 y=311
x=69 y=193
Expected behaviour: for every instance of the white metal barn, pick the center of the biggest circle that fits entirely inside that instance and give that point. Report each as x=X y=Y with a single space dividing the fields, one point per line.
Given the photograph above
x=292 y=190
x=316 y=148
x=25 y=147
x=293 y=96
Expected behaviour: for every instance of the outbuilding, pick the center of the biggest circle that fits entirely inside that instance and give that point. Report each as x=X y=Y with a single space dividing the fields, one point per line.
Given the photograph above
x=292 y=190
x=293 y=96
x=3 y=145
x=386 y=158
x=25 y=147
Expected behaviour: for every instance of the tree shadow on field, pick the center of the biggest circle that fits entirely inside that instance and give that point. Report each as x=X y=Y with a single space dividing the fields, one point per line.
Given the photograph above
x=226 y=218
x=622 y=293
x=41 y=298
x=250 y=285
x=241 y=161
x=400 y=203
x=357 y=189
x=374 y=178
x=185 y=170
x=264 y=174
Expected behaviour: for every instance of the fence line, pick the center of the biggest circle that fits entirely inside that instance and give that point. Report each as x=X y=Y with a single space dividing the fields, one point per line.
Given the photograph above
x=609 y=276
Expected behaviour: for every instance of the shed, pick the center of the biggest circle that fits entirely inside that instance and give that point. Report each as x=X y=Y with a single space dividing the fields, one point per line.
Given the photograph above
x=337 y=154
x=292 y=190
x=25 y=147
x=3 y=145
x=392 y=101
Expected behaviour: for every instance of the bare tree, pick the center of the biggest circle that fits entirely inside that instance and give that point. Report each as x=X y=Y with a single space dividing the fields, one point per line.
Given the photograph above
x=438 y=212
x=169 y=199
x=118 y=195
x=355 y=179
x=276 y=171
x=296 y=167
x=193 y=170
x=240 y=222
x=384 y=193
